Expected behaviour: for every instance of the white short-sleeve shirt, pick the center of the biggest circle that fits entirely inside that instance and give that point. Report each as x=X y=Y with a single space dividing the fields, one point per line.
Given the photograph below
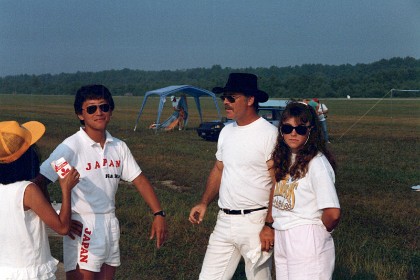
x=100 y=170
x=300 y=202
x=244 y=151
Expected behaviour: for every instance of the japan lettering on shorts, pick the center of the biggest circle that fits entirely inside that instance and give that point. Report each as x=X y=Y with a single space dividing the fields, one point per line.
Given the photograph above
x=84 y=252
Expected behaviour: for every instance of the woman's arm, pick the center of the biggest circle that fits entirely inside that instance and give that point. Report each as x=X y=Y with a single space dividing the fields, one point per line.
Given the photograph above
x=34 y=199
x=330 y=218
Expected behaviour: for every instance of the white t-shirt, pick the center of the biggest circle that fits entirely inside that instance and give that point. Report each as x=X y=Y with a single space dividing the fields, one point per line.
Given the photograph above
x=244 y=151
x=301 y=202
x=321 y=109
x=25 y=251
x=100 y=170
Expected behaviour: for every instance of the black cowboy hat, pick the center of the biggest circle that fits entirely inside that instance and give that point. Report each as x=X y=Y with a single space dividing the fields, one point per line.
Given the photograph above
x=244 y=83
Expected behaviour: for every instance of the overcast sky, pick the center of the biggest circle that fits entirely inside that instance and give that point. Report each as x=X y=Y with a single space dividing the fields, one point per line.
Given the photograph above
x=55 y=36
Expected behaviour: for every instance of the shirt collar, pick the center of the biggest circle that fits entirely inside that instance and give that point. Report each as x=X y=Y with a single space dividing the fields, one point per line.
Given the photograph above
x=84 y=135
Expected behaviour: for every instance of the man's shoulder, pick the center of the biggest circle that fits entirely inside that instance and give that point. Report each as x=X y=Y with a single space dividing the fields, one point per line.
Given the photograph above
x=268 y=127
x=74 y=138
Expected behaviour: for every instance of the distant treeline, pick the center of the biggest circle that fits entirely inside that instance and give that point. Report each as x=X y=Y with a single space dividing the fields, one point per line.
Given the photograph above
x=309 y=80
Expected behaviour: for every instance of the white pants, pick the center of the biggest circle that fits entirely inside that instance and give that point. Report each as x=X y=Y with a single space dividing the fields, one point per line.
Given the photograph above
x=304 y=253
x=233 y=237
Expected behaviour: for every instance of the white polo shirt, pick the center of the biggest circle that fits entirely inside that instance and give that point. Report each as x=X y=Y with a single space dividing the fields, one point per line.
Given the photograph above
x=100 y=170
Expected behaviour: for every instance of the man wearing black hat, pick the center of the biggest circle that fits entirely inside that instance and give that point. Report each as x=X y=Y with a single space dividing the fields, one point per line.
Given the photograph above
x=241 y=177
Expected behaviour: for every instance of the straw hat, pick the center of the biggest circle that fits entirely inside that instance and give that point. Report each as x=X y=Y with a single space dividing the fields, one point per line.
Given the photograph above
x=16 y=139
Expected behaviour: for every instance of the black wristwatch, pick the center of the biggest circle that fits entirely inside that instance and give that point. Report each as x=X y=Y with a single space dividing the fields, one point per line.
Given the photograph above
x=270 y=225
x=160 y=213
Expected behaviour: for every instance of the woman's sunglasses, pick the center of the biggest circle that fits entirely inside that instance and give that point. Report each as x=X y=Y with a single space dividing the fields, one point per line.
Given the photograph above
x=230 y=98
x=92 y=109
x=300 y=129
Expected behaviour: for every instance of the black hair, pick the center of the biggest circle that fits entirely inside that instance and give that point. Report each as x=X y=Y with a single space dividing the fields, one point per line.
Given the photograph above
x=91 y=92
x=24 y=168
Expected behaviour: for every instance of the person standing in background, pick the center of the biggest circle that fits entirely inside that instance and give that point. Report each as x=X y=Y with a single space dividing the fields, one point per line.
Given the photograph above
x=322 y=112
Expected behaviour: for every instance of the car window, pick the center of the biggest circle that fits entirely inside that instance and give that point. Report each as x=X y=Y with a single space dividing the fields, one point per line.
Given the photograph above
x=266 y=114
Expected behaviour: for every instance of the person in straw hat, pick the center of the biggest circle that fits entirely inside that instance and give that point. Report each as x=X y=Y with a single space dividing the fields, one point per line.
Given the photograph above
x=242 y=180
x=25 y=251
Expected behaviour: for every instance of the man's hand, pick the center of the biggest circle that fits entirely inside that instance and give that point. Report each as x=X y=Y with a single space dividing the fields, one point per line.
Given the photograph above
x=197 y=213
x=159 y=230
x=267 y=238
x=76 y=228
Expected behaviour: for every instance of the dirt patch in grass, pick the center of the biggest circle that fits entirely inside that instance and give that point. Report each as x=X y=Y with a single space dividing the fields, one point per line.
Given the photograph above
x=171 y=184
x=165 y=183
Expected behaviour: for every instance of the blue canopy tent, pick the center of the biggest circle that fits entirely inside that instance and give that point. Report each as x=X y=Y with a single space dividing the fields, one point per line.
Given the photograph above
x=171 y=90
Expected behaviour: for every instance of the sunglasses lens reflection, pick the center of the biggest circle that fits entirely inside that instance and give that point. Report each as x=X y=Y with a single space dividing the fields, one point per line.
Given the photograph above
x=92 y=109
x=300 y=129
x=286 y=129
x=104 y=108
x=228 y=97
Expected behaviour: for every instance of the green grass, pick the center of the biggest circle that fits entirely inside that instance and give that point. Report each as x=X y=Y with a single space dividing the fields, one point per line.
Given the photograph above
x=378 y=162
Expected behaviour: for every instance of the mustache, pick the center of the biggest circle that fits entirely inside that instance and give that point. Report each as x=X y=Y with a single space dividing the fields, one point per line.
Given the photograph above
x=228 y=107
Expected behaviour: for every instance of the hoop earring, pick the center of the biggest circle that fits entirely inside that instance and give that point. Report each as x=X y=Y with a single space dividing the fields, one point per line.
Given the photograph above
x=307 y=138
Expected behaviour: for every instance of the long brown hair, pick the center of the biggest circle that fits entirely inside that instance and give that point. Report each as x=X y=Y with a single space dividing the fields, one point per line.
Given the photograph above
x=282 y=155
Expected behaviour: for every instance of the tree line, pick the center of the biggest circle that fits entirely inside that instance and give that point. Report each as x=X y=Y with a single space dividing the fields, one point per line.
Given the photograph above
x=308 y=80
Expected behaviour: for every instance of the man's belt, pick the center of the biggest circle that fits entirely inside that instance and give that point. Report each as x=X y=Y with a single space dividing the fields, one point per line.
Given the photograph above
x=240 y=212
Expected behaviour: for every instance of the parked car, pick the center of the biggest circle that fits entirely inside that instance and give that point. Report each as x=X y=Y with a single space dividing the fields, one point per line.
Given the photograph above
x=270 y=110
x=211 y=130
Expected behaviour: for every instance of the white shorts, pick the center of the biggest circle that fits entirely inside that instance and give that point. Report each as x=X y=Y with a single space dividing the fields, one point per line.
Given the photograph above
x=98 y=244
x=304 y=252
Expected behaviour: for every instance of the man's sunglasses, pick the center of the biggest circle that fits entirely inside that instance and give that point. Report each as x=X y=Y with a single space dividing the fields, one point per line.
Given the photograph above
x=92 y=109
x=300 y=129
x=230 y=98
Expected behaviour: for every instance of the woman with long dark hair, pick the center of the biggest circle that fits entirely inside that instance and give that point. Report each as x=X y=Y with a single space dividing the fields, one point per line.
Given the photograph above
x=304 y=202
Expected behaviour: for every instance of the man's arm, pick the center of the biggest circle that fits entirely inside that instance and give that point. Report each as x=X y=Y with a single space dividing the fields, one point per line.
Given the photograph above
x=212 y=189
x=324 y=109
x=267 y=232
x=159 y=223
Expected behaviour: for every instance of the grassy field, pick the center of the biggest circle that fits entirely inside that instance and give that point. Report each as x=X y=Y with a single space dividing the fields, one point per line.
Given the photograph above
x=377 y=145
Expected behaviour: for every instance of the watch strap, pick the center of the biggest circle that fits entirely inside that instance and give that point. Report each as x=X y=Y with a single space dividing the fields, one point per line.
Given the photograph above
x=270 y=225
x=160 y=213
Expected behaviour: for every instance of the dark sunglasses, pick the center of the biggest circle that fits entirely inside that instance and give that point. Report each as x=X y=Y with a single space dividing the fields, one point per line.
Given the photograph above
x=300 y=129
x=229 y=98
x=92 y=109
